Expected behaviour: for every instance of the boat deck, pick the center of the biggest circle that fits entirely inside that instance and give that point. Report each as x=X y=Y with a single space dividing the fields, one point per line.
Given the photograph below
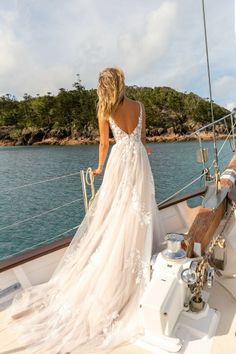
x=222 y=297
x=10 y=344
x=224 y=341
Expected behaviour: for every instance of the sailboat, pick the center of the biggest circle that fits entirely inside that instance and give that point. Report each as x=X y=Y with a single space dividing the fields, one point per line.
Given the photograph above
x=189 y=304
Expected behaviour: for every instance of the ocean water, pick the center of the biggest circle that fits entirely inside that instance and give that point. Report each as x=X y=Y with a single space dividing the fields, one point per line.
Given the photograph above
x=173 y=166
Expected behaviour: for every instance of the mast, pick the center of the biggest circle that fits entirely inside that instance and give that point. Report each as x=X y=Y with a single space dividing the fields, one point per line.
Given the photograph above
x=216 y=162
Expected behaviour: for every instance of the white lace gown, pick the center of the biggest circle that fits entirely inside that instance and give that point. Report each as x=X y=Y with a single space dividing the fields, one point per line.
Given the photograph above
x=91 y=302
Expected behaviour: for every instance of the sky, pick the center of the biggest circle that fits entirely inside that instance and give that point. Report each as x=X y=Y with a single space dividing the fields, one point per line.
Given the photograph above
x=44 y=44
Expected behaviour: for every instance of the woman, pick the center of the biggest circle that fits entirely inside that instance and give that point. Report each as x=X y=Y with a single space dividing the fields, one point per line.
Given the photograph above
x=91 y=301
x=112 y=98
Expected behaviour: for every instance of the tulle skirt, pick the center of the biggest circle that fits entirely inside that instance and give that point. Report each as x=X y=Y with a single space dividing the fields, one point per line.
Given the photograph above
x=91 y=302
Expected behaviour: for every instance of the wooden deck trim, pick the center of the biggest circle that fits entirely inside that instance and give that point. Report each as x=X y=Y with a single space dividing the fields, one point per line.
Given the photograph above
x=29 y=255
x=176 y=200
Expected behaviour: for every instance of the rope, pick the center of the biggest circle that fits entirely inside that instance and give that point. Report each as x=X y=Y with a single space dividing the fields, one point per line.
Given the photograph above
x=89 y=172
x=38 y=215
x=40 y=243
x=39 y=182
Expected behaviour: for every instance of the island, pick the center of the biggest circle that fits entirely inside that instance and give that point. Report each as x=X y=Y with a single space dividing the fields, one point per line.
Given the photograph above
x=69 y=117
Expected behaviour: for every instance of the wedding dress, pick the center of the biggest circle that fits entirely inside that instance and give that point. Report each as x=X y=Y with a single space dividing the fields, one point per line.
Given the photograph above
x=91 y=302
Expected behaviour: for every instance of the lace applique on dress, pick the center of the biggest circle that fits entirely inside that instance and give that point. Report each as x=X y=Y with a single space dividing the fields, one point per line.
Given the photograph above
x=95 y=257
x=112 y=325
x=136 y=264
x=145 y=216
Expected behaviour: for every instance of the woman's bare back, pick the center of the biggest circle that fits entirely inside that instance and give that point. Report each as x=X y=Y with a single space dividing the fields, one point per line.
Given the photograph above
x=126 y=115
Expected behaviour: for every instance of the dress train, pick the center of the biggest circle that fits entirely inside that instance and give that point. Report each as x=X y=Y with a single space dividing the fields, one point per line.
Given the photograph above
x=91 y=301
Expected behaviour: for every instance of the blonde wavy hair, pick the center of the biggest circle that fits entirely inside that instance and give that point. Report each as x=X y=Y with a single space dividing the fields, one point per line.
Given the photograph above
x=110 y=91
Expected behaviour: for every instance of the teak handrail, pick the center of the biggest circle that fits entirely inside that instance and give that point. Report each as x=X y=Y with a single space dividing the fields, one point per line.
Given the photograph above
x=182 y=198
x=29 y=255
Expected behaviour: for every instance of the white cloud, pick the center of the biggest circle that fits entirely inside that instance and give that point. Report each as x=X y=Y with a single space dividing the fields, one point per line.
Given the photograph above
x=231 y=105
x=143 y=48
x=225 y=85
x=44 y=44
x=10 y=48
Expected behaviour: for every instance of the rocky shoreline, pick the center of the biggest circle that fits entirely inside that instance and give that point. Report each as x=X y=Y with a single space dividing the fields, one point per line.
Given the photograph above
x=13 y=136
x=82 y=141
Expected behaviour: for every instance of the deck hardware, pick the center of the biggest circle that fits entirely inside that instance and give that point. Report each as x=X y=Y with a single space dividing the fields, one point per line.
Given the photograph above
x=202 y=155
x=189 y=276
x=197 y=304
x=87 y=178
x=174 y=250
x=210 y=277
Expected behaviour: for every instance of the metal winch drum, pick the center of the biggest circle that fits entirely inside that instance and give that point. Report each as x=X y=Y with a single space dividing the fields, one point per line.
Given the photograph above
x=174 y=250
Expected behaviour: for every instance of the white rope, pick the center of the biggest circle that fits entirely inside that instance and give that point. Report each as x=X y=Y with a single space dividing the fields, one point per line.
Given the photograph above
x=42 y=181
x=89 y=173
x=38 y=215
x=40 y=243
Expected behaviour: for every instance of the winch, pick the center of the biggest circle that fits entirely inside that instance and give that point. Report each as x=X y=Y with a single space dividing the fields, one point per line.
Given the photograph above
x=174 y=250
x=175 y=288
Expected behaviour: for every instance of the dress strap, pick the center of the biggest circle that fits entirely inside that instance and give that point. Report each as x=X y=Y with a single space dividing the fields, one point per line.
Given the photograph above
x=141 y=111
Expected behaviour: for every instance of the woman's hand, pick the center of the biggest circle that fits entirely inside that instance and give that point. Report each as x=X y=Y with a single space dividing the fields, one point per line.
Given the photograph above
x=149 y=150
x=97 y=172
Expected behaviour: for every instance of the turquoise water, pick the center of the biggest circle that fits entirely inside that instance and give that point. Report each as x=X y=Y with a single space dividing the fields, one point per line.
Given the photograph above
x=173 y=166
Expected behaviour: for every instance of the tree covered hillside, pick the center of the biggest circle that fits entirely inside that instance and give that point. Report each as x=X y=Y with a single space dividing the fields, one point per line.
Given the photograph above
x=72 y=113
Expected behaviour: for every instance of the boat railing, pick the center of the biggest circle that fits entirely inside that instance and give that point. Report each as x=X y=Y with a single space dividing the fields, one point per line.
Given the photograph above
x=229 y=122
x=230 y=115
x=47 y=180
x=85 y=179
x=40 y=182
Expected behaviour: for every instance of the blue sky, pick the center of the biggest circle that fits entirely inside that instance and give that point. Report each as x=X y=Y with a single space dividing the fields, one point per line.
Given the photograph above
x=45 y=43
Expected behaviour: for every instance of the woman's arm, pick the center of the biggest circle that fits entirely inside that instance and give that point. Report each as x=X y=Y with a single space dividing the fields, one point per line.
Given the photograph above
x=103 y=145
x=143 y=131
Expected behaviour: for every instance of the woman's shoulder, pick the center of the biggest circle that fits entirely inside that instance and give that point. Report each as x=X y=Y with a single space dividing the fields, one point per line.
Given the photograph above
x=134 y=102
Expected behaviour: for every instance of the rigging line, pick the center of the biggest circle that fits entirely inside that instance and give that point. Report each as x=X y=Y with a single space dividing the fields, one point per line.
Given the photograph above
x=226 y=155
x=200 y=177
x=225 y=142
x=231 y=145
x=209 y=125
x=221 y=148
x=42 y=181
x=40 y=243
x=208 y=68
x=38 y=215
x=186 y=186
x=216 y=163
